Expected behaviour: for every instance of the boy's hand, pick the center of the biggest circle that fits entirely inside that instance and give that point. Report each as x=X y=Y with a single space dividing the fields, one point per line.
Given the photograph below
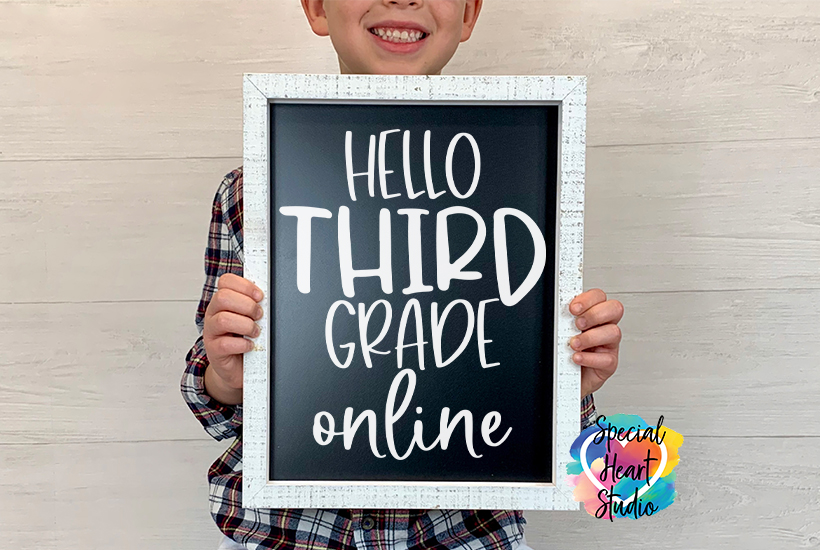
x=230 y=316
x=596 y=348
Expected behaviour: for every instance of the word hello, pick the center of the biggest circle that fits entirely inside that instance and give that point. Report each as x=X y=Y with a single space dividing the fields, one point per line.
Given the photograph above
x=408 y=182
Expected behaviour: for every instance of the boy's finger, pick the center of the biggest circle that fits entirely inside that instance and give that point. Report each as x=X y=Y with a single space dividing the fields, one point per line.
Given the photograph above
x=226 y=345
x=239 y=284
x=605 y=335
x=586 y=300
x=610 y=311
x=226 y=299
x=604 y=364
x=227 y=322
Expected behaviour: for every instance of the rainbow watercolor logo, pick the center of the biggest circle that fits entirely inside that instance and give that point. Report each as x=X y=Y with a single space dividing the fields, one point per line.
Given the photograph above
x=624 y=468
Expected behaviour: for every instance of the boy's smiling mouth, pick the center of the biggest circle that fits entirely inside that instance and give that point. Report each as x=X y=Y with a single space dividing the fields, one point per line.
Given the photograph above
x=399 y=37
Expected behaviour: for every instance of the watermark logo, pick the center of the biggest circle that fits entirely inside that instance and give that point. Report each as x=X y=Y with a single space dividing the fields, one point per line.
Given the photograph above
x=624 y=468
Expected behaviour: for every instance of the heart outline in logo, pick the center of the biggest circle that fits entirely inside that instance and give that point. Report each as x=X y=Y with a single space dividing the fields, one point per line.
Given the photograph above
x=595 y=481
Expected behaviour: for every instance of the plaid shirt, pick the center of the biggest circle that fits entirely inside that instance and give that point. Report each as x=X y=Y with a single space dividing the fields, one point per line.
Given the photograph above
x=314 y=529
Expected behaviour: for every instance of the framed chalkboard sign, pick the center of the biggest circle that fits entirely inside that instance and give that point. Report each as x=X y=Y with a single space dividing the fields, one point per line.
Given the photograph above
x=419 y=239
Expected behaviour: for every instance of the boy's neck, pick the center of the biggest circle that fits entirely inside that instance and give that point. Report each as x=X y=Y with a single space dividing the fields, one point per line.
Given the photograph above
x=344 y=69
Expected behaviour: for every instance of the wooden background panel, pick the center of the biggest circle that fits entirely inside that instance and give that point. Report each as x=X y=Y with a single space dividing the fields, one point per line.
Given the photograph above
x=710 y=216
x=702 y=217
x=115 y=495
x=163 y=79
x=106 y=230
x=738 y=362
x=87 y=372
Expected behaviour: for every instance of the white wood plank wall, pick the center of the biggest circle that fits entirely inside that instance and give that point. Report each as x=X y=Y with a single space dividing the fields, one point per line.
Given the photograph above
x=118 y=120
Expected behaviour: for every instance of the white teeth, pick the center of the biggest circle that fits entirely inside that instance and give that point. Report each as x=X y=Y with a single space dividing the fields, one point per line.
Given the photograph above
x=396 y=35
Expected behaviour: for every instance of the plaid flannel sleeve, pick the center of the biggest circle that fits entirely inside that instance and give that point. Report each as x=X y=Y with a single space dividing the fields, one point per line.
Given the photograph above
x=588 y=412
x=222 y=255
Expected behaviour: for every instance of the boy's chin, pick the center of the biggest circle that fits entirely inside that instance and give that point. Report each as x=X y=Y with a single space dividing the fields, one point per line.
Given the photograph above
x=392 y=68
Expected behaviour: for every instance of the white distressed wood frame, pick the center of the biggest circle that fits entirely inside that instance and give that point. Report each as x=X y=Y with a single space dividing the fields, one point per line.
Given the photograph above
x=569 y=92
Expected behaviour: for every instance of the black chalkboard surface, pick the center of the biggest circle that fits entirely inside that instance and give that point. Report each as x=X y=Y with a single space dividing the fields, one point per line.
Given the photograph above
x=515 y=149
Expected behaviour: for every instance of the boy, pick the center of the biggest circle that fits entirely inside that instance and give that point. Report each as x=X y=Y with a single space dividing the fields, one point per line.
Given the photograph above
x=370 y=37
